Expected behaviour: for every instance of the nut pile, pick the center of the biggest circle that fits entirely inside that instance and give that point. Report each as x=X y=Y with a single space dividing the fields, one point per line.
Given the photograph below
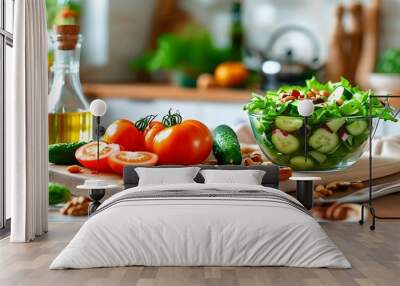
x=252 y=157
x=343 y=186
x=77 y=206
x=317 y=96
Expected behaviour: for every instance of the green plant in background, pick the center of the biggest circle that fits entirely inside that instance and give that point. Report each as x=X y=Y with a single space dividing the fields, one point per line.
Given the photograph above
x=51 y=8
x=62 y=12
x=389 y=61
x=191 y=52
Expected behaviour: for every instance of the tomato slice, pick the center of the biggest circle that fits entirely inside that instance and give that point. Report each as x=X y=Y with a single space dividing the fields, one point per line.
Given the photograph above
x=119 y=160
x=87 y=155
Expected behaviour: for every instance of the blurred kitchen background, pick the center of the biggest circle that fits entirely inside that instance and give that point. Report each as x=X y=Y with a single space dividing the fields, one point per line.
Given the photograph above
x=205 y=57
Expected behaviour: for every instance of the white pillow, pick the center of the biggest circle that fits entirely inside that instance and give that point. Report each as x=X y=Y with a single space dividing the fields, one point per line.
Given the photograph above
x=247 y=177
x=164 y=176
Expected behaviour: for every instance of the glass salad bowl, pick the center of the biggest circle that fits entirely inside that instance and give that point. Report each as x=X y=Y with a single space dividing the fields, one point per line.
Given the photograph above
x=327 y=145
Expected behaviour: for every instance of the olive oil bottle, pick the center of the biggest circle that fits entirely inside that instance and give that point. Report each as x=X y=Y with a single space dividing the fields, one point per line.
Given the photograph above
x=69 y=116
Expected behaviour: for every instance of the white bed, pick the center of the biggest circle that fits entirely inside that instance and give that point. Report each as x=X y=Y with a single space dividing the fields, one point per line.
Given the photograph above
x=203 y=225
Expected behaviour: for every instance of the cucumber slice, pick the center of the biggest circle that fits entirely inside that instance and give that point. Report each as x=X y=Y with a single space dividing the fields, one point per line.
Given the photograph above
x=323 y=140
x=285 y=143
x=340 y=93
x=319 y=157
x=301 y=162
x=357 y=127
x=335 y=124
x=288 y=124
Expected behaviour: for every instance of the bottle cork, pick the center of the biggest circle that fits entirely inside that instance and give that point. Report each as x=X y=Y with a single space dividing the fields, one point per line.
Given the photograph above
x=67 y=36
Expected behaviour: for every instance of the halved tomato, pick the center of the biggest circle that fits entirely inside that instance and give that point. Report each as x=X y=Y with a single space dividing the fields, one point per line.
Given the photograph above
x=87 y=155
x=119 y=160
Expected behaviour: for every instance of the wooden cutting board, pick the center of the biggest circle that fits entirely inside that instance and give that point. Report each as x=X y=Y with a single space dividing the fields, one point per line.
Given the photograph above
x=59 y=174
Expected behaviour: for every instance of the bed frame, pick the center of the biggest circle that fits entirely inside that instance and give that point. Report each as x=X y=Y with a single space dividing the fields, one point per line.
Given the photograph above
x=270 y=179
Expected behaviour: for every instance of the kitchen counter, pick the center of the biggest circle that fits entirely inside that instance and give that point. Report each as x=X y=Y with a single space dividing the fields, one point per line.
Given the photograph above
x=164 y=92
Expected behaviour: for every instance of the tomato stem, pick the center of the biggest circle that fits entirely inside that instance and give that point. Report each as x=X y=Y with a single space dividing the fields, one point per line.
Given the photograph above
x=171 y=118
x=142 y=123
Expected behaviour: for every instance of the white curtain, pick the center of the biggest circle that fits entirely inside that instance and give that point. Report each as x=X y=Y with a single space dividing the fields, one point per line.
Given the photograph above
x=26 y=123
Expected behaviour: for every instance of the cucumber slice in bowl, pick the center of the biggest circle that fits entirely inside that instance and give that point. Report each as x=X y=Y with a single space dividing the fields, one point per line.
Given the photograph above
x=323 y=140
x=302 y=163
x=284 y=142
x=288 y=124
x=357 y=127
x=319 y=157
x=335 y=124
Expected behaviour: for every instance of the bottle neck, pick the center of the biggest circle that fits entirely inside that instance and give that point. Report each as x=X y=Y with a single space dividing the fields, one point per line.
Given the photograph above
x=237 y=13
x=66 y=91
x=66 y=62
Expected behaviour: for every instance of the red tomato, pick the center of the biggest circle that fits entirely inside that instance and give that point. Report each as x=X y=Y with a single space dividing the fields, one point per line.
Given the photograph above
x=119 y=160
x=87 y=155
x=125 y=133
x=186 y=143
x=150 y=132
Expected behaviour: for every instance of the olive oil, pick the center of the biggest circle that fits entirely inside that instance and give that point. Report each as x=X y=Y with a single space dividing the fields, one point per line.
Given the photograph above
x=68 y=110
x=69 y=127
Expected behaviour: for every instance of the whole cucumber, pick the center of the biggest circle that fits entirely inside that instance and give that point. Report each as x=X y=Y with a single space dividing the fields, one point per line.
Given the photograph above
x=226 y=147
x=64 y=153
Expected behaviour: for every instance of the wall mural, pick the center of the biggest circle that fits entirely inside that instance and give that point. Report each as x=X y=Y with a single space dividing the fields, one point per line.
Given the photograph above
x=183 y=98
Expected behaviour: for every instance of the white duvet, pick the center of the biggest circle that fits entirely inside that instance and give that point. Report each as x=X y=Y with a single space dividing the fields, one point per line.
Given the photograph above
x=188 y=231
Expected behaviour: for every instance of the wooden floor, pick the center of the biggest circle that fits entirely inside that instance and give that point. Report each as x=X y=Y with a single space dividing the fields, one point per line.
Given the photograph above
x=375 y=257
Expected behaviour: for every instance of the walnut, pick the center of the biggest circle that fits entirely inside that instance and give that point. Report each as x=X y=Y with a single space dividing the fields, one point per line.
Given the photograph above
x=321 y=191
x=256 y=157
x=77 y=206
x=248 y=161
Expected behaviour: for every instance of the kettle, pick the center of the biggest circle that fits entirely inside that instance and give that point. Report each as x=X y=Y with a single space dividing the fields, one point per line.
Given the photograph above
x=286 y=69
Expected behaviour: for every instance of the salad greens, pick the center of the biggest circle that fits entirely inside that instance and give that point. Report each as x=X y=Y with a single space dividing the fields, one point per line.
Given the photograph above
x=332 y=138
x=351 y=102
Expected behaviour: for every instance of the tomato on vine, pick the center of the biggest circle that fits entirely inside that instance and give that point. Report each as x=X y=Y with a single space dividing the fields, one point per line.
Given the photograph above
x=178 y=141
